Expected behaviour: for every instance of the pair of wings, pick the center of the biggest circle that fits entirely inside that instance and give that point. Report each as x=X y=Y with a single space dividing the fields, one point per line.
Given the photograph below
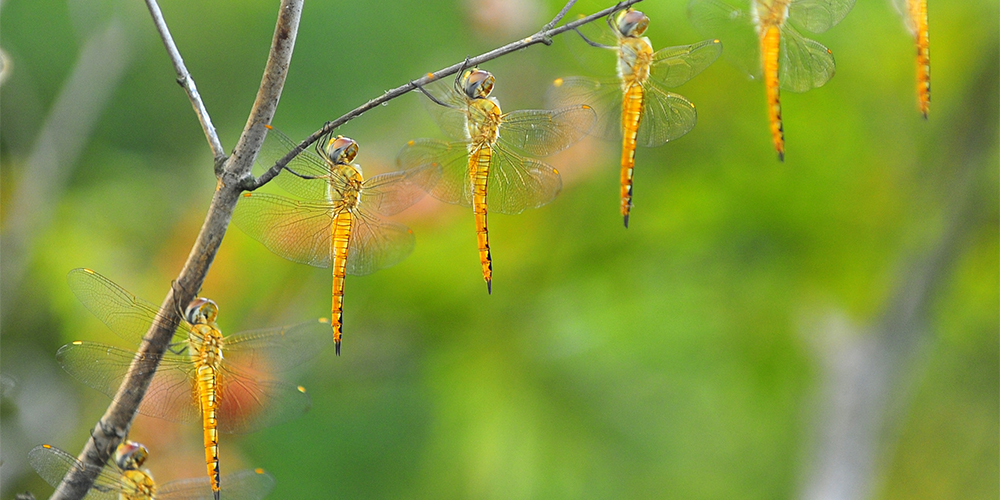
x=52 y=464
x=249 y=398
x=908 y=9
x=803 y=64
x=516 y=181
x=301 y=230
x=665 y=115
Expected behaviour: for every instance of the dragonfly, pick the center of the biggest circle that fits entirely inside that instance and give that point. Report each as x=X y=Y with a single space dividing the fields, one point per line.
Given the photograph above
x=492 y=153
x=762 y=41
x=635 y=108
x=193 y=381
x=123 y=479
x=914 y=14
x=338 y=220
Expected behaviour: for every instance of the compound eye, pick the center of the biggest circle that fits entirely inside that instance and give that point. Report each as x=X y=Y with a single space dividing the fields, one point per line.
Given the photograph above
x=632 y=23
x=201 y=310
x=478 y=83
x=342 y=150
x=130 y=455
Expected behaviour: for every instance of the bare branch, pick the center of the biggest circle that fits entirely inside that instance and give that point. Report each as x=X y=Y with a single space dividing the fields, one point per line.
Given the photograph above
x=562 y=13
x=184 y=80
x=114 y=425
x=251 y=184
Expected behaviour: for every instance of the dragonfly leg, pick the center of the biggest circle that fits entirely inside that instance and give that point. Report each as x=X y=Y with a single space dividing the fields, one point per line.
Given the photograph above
x=591 y=42
x=429 y=95
x=178 y=348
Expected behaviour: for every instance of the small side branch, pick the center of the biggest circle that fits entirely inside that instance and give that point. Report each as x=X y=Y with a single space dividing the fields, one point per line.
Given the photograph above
x=542 y=36
x=184 y=80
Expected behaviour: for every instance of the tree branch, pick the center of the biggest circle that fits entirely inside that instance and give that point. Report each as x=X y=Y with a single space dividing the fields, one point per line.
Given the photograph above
x=115 y=422
x=184 y=80
x=250 y=183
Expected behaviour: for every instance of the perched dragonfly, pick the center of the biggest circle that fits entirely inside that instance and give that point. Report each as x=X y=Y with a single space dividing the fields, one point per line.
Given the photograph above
x=761 y=39
x=193 y=380
x=338 y=221
x=635 y=108
x=914 y=14
x=491 y=154
x=123 y=479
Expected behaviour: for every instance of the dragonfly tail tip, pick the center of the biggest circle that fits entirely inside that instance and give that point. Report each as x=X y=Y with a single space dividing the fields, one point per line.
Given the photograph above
x=626 y=221
x=781 y=156
x=217 y=494
x=489 y=287
x=337 y=346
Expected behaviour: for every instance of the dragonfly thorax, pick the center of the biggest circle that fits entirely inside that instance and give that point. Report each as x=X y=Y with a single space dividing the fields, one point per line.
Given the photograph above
x=137 y=485
x=632 y=23
x=635 y=55
x=767 y=13
x=206 y=345
x=487 y=130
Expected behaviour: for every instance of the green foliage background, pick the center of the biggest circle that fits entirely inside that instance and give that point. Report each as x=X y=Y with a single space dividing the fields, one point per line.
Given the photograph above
x=680 y=358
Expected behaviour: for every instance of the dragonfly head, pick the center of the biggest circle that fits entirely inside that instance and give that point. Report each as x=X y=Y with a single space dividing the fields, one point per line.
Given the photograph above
x=477 y=83
x=632 y=23
x=201 y=310
x=130 y=455
x=341 y=150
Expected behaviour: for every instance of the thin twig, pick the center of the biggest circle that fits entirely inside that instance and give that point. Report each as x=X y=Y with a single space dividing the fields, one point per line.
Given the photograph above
x=251 y=183
x=115 y=422
x=562 y=13
x=185 y=80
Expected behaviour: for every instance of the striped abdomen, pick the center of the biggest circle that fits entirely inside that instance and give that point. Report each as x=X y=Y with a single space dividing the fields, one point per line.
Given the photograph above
x=770 y=44
x=207 y=397
x=918 y=14
x=631 y=114
x=341 y=238
x=479 y=167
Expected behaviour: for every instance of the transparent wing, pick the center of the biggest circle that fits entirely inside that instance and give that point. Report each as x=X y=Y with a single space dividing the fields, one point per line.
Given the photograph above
x=248 y=402
x=599 y=31
x=299 y=231
x=665 y=116
x=124 y=313
x=674 y=66
x=804 y=64
x=516 y=183
x=903 y=7
x=276 y=146
x=451 y=118
x=52 y=464
x=818 y=16
x=734 y=27
x=604 y=96
x=544 y=132
x=389 y=194
x=242 y=485
x=275 y=350
x=102 y=367
x=448 y=164
x=376 y=244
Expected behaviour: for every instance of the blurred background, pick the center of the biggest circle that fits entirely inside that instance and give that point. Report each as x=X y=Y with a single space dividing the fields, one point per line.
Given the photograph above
x=826 y=327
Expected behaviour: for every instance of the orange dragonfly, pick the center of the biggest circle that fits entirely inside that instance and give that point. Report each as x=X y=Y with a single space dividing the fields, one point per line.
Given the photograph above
x=338 y=221
x=635 y=108
x=491 y=152
x=123 y=479
x=914 y=14
x=761 y=40
x=193 y=381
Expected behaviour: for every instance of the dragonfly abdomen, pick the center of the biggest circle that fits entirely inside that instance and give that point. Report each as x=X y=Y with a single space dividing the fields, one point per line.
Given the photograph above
x=918 y=13
x=770 y=45
x=631 y=114
x=208 y=388
x=341 y=240
x=479 y=164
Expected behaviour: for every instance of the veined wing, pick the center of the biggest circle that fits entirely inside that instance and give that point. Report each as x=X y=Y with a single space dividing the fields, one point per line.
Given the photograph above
x=544 y=132
x=448 y=166
x=391 y=193
x=903 y=7
x=52 y=464
x=804 y=64
x=375 y=243
x=124 y=313
x=275 y=350
x=674 y=66
x=299 y=231
x=604 y=96
x=665 y=116
x=734 y=27
x=451 y=118
x=276 y=146
x=818 y=16
x=244 y=485
x=248 y=402
x=516 y=183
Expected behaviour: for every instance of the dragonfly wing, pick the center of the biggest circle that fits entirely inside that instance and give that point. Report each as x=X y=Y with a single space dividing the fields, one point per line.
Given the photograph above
x=307 y=163
x=299 y=231
x=903 y=7
x=665 y=116
x=804 y=64
x=244 y=485
x=389 y=194
x=376 y=244
x=451 y=118
x=544 y=132
x=170 y=395
x=52 y=464
x=603 y=96
x=274 y=350
x=674 y=66
x=248 y=402
x=446 y=165
x=818 y=16
x=124 y=313
x=516 y=183
x=734 y=27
